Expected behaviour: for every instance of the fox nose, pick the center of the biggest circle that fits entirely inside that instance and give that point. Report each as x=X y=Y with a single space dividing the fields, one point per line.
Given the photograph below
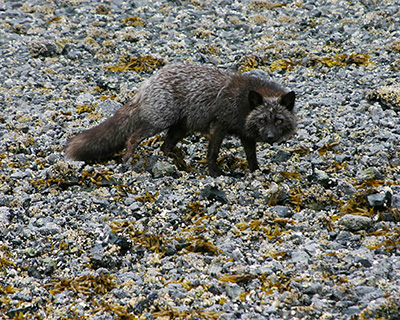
x=270 y=136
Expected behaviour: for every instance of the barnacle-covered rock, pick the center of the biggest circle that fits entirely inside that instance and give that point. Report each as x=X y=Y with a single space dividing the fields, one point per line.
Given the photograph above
x=387 y=96
x=43 y=48
x=355 y=222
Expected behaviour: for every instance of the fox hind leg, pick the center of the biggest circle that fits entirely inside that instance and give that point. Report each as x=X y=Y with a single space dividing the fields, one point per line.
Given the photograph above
x=217 y=135
x=174 y=135
x=136 y=138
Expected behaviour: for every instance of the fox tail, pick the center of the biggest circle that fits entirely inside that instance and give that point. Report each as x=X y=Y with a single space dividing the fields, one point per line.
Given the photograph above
x=107 y=138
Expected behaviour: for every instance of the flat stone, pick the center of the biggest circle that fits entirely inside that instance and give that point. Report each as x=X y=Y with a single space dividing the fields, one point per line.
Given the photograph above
x=50 y=228
x=233 y=291
x=213 y=193
x=109 y=107
x=355 y=222
x=282 y=211
x=164 y=168
x=379 y=200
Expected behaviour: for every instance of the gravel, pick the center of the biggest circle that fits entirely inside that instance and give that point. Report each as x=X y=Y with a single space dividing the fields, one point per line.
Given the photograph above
x=314 y=234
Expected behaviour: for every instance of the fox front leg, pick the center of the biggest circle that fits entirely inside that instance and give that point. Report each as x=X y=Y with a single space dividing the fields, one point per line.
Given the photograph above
x=249 y=146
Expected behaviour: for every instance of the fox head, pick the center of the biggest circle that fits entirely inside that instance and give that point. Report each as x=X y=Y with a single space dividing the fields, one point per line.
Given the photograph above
x=272 y=118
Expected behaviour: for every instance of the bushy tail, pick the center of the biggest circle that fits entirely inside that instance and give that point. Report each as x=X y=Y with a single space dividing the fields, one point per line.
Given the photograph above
x=107 y=138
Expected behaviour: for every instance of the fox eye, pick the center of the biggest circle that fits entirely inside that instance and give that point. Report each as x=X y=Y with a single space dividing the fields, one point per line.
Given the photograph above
x=262 y=121
x=278 y=121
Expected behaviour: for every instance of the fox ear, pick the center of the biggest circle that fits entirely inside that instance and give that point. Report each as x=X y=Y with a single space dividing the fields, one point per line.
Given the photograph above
x=287 y=100
x=255 y=98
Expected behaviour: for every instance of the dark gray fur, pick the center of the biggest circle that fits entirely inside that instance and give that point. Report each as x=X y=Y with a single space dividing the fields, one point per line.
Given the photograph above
x=183 y=98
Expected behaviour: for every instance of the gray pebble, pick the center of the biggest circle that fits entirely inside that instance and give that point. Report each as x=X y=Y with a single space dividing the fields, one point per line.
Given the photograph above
x=211 y=192
x=108 y=107
x=4 y=214
x=379 y=200
x=395 y=203
x=50 y=228
x=163 y=168
x=233 y=291
x=282 y=211
x=43 y=48
x=300 y=256
x=355 y=222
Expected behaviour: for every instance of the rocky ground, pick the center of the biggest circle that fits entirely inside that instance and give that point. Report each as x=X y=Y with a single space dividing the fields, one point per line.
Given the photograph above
x=314 y=234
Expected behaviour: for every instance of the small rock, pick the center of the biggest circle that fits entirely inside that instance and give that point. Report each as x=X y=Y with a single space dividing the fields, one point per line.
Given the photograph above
x=227 y=316
x=233 y=291
x=371 y=173
x=176 y=292
x=4 y=215
x=21 y=174
x=355 y=222
x=237 y=255
x=63 y=297
x=387 y=96
x=342 y=157
x=163 y=169
x=146 y=303
x=258 y=73
x=74 y=54
x=43 y=48
x=50 y=228
x=300 y=256
x=101 y=202
x=352 y=310
x=84 y=98
x=170 y=250
x=318 y=303
x=121 y=293
x=97 y=252
x=35 y=272
x=346 y=188
x=365 y=290
x=12 y=313
x=213 y=193
x=281 y=156
x=364 y=262
x=316 y=13
x=379 y=200
x=312 y=288
x=323 y=179
x=395 y=201
x=4 y=200
x=109 y=107
x=215 y=289
x=282 y=211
